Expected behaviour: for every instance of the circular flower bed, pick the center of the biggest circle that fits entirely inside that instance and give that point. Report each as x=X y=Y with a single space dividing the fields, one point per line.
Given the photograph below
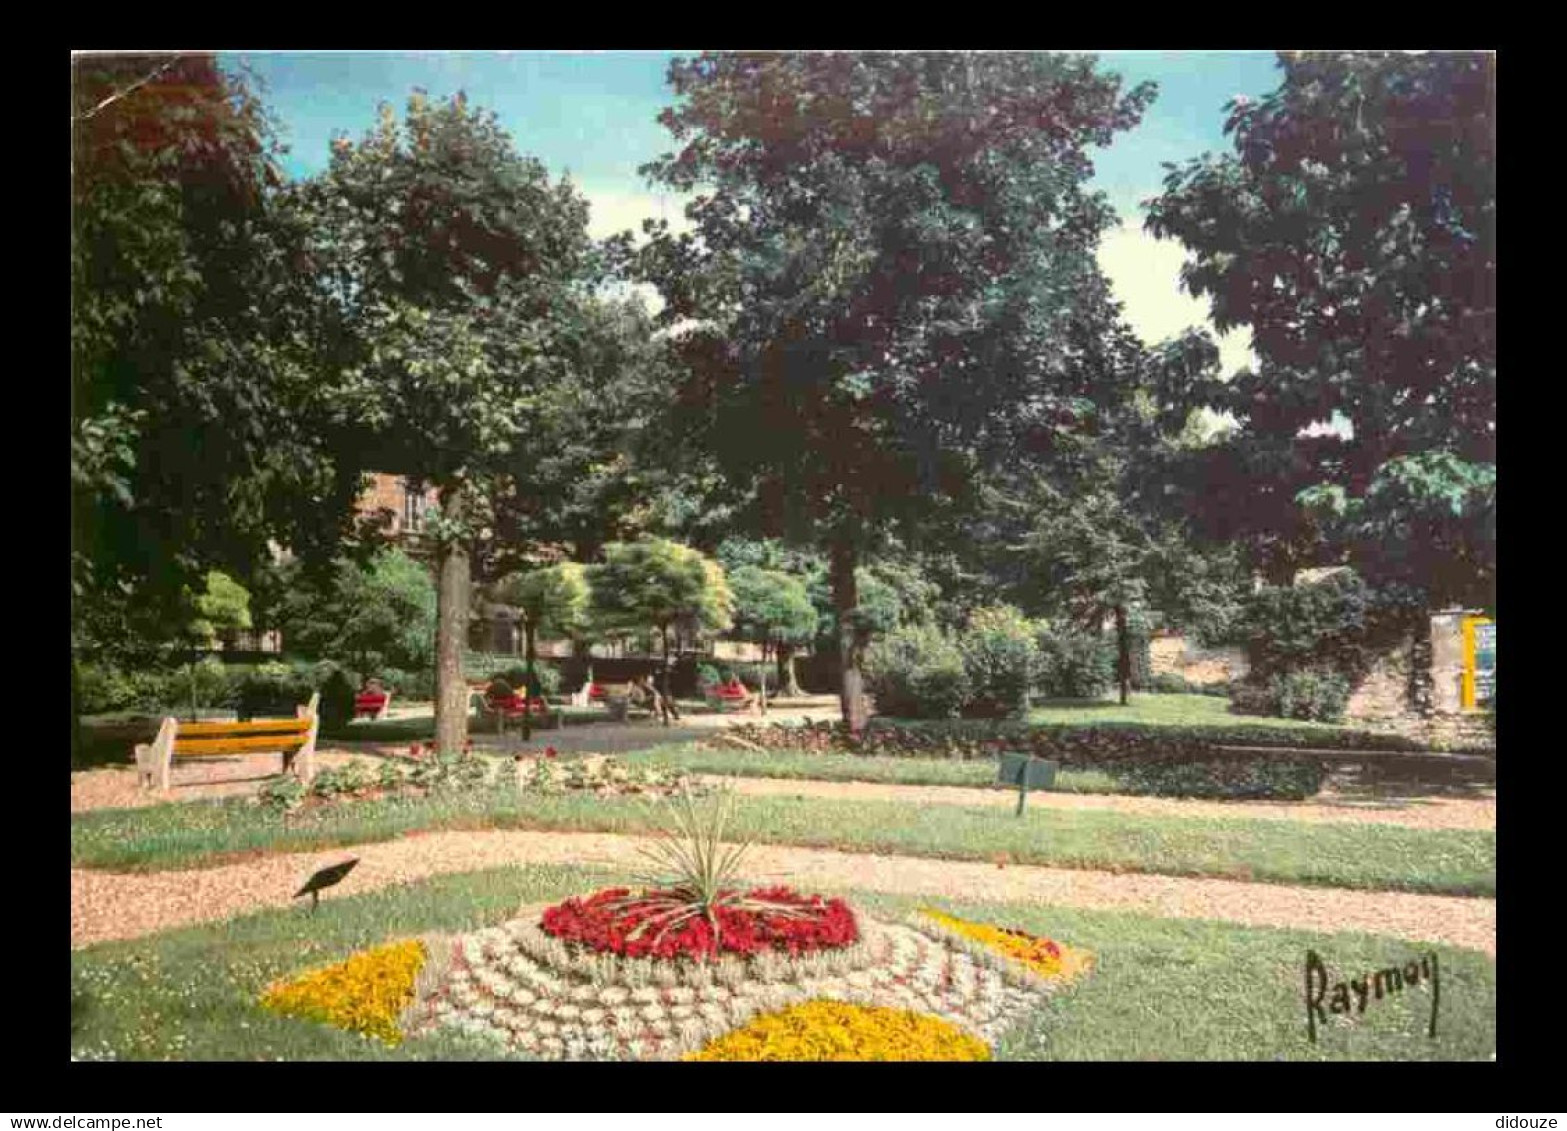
x=546 y=997
x=649 y=926
x=365 y=994
x=835 y=1030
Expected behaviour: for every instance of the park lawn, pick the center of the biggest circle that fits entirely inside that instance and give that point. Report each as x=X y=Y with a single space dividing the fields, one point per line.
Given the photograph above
x=1455 y=862
x=793 y=765
x=1153 y=709
x=1162 y=989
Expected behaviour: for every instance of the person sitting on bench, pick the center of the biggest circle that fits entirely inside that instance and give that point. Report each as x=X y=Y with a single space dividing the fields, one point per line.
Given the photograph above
x=663 y=707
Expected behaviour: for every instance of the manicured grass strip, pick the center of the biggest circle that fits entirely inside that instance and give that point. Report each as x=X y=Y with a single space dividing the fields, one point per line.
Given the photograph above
x=796 y=766
x=1455 y=862
x=1160 y=710
x=1163 y=989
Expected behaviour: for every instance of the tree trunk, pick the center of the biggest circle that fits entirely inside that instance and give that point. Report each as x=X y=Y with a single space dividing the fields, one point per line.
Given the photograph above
x=452 y=593
x=851 y=639
x=76 y=712
x=663 y=631
x=788 y=683
x=1123 y=649
x=762 y=678
x=533 y=681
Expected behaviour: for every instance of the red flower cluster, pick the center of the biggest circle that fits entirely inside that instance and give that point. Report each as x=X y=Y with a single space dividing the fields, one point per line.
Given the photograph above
x=1048 y=945
x=593 y=923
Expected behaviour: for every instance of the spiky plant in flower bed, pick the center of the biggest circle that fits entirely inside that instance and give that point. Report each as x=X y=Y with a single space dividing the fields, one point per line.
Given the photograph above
x=692 y=906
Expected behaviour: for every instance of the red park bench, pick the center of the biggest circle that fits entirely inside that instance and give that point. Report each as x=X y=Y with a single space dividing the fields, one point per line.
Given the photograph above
x=731 y=696
x=294 y=738
x=514 y=706
x=375 y=704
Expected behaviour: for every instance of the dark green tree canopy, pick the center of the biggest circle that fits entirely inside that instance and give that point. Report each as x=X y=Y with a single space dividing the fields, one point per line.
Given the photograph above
x=457 y=270
x=892 y=266
x=200 y=426
x=1354 y=232
x=772 y=606
x=655 y=583
x=380 y=613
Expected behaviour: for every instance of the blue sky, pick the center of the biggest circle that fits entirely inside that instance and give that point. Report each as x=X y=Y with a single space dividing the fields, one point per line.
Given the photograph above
x=594 y=114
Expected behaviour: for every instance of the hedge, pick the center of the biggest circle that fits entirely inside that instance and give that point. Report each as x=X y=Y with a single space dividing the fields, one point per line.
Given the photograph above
x=1073 y=745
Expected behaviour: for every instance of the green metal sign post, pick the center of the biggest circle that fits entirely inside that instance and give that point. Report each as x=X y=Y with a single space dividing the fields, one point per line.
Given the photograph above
x=1026 y=772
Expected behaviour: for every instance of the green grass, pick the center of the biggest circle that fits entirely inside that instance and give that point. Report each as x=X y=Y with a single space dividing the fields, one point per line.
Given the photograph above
x=1163 y=989
x=1457 y=862
x=798 y=766
x=1159 y=710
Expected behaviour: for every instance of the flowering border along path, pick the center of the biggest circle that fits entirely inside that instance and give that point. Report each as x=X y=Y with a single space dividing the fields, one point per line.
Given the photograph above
x=517 y=985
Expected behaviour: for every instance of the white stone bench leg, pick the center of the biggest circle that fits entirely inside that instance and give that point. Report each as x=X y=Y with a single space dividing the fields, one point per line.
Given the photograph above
x=305 y=756
x=153 y=759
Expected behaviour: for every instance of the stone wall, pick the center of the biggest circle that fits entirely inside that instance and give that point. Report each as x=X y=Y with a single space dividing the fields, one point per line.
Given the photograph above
x=1383 y=696
x=1401 y=695
x=1178 y=655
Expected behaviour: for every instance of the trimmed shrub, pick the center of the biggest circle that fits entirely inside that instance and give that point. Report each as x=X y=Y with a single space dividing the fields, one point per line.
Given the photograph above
x=1306 y=642
x=408 y=685
x=547 y=677
x=275 y=690
x=752 y=676
x=1074 y=665
x=1158 y=761
x=917 y=672
x=1169 y=683
x=706 y=675
x=1140 y=640
x=1310 y=693
x=1001 y=658
x=108 y=688
x=1070 y=744
x=337 y=699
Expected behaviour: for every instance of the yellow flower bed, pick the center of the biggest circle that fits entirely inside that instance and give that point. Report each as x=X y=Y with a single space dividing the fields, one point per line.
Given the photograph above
x=1045 y=957
x=364 y=994
x=835 y=1030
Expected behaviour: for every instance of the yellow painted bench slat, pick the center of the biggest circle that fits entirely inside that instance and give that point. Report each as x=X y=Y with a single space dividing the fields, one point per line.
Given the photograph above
x=214 y=746
x=237 y=730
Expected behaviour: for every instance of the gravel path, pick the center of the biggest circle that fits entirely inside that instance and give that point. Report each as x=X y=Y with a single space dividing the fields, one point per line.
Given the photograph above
x=115 y=787
x=1418 y=813
x=109 y=906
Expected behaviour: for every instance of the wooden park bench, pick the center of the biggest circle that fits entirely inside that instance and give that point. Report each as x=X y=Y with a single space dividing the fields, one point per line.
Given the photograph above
x=294 y=738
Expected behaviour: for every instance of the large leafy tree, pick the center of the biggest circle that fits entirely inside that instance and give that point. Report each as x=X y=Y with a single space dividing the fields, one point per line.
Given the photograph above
x=659 y=584
x=381 y=613
x=1093 y=533
x=891 y=276
x=458 y=272
x=774 y=609
x=199 y=422
x=606 y=470
x=1354 y=231
x=551 y=599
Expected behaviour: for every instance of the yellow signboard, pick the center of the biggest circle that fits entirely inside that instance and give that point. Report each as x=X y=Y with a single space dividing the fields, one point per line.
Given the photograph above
x=1479 y=662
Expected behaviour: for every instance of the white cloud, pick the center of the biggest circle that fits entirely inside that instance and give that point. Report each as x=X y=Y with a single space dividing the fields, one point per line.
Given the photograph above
x=1145 y=274
x=614 y=211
